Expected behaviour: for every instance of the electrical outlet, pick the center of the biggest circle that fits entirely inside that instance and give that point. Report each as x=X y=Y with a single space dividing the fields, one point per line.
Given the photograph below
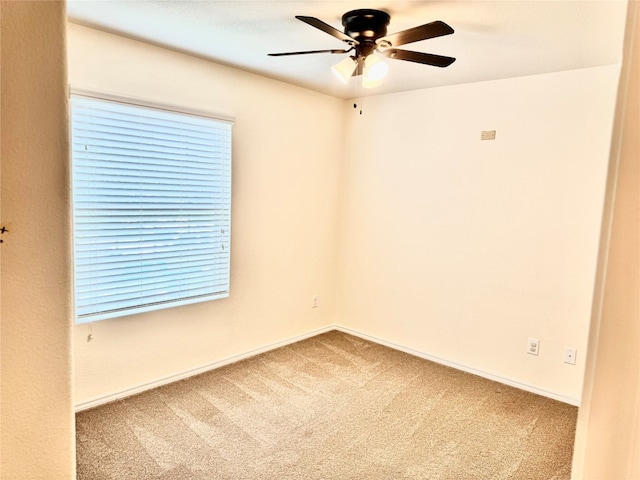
x=314 y=301
x=533 y=346
x=570 y=355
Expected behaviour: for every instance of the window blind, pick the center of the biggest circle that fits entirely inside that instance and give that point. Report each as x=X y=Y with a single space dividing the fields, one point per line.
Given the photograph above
x=152 y=208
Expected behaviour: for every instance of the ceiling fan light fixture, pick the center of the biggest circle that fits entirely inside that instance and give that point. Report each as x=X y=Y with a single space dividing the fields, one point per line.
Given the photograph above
x=365 y=32
x=374 y=68
x=344 y=69
x=374 y=71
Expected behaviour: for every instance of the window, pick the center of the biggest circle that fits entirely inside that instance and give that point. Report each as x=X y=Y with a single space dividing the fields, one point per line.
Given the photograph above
x=152 y=207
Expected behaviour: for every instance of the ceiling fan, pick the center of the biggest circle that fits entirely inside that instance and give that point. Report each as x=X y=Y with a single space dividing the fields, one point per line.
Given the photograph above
x=365 y=32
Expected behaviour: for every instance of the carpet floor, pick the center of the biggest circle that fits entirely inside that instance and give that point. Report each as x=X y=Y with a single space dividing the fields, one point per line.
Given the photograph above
x=330 y=407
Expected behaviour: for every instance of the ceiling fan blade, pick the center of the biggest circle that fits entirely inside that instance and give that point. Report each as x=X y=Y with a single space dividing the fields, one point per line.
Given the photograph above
x=423 y=32
x=319 y=24
x=307 y=52
x=418 y=57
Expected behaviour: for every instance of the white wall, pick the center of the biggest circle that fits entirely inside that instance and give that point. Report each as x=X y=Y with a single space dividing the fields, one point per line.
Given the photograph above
x=459 y=248
x=37 y=440
x=286 y=155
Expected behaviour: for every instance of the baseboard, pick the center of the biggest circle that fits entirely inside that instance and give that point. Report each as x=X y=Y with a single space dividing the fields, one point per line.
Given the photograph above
x=464 y=368
x=113 y=396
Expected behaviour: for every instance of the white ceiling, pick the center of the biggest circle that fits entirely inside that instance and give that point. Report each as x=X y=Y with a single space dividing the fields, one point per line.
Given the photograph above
x=492 y=39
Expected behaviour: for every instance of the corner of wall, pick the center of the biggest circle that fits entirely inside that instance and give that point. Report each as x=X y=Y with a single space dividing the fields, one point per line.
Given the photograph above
x=37 y=410
x=607 y=439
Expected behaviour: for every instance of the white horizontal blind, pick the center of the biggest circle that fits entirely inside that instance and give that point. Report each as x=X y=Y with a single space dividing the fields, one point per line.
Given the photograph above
x=152 y=208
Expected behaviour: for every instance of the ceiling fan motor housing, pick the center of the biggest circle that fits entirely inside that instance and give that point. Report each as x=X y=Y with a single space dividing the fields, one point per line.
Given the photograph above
x=365 y=26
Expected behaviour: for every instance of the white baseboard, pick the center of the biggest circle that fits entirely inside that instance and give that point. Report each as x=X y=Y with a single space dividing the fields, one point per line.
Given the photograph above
x=464 y=368
x=113 y=396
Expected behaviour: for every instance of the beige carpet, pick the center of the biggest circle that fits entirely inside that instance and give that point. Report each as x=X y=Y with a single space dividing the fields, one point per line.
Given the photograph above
x=330 y=407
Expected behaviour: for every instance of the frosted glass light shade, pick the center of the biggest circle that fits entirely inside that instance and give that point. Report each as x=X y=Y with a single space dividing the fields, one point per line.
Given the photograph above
x=374 y=71
x=375 y=68
x=344 y=69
